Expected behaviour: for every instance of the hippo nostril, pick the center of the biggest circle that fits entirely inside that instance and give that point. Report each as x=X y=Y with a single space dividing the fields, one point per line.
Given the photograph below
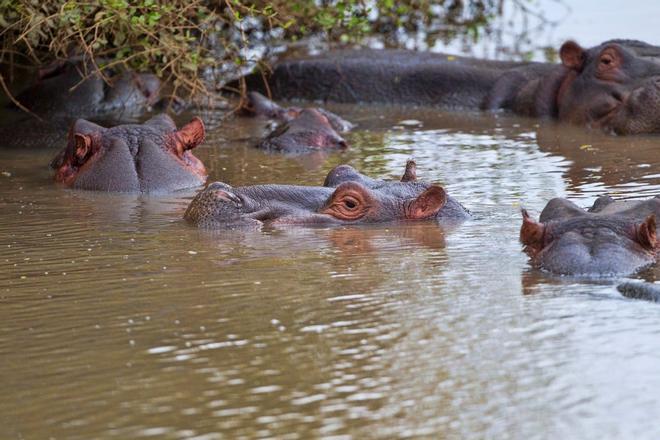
x=227 y=196
x=618 y=95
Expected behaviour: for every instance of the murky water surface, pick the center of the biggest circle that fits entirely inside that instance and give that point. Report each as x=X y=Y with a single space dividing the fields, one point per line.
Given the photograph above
x=118 y=320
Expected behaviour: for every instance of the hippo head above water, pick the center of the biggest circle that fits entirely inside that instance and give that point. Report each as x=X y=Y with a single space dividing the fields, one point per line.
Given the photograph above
x=348 y=197
x=611 y=238
x=614 y=86
x=150 y=157
x=299 y=129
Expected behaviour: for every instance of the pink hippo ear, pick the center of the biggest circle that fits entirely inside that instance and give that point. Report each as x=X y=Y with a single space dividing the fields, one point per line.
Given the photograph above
x=427 y=204
x=83 y=146
x=572 y=55
x=531 y=232
x=190 y=135
x=82 y=137
x=645 y=233
x=410 y=175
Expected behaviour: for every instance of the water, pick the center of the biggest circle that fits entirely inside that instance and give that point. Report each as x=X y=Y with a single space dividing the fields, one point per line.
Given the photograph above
x=118 y=320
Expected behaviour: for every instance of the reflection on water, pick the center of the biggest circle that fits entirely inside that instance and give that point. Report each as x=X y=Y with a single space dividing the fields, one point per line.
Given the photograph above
x=118 y=320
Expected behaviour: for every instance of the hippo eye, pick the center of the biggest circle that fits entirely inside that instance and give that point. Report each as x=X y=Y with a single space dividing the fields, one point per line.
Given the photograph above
x=350 y=203
x=609 y=60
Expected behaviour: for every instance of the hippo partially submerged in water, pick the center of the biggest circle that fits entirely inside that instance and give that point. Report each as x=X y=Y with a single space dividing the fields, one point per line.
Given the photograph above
x=151 y=157
x=614 y=86
x=611 y=238
x=347 y=197
x=299 y=129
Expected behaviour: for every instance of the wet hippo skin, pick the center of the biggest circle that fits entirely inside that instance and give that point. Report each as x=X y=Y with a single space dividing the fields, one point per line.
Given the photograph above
x=299 y=130
x=348 y=197
x=614 y=86
x=149 y=158
x=611 y=238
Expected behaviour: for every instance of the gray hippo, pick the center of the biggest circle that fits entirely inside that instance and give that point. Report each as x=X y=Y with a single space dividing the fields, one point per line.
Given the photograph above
x=610 y=238
x=298 y=130
x=347 y=197
x=614 y=86
x=149 y=158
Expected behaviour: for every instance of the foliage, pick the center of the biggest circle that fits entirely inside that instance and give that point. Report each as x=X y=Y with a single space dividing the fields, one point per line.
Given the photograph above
x=184 y=40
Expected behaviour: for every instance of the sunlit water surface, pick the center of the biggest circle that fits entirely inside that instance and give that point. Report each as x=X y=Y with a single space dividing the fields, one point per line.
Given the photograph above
x=118 y=320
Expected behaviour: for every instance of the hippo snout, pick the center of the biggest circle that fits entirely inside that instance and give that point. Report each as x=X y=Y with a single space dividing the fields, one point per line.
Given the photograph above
x=218 y=206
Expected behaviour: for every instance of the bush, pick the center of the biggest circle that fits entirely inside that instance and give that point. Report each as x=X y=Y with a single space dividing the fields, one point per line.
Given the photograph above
x=189 y=42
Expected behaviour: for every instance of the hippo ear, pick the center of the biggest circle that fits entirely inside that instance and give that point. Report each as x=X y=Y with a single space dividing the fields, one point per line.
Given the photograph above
x=83 y=145
x=427 y=204
x=646 y=233
x=190 y=135
x=410 y=175
x=572 y=55
x=531 y=232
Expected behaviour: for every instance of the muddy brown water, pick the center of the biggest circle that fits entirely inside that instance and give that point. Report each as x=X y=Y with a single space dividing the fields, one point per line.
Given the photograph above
x=118 y=320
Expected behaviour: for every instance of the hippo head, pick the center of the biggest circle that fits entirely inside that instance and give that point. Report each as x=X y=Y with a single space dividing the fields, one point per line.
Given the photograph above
x=309 y=130
x=257 y=104
x=299 y=129
x=590 y=244
x=67 y=88
x=149 y=157
x=351 y=201
x=614 y=86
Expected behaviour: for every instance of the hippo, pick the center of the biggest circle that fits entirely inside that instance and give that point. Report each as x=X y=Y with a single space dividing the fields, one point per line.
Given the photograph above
x=347 y=197
x=73 y=90
x=148 y=158
x=614 y=86
x=299 y=129
x=610 y=238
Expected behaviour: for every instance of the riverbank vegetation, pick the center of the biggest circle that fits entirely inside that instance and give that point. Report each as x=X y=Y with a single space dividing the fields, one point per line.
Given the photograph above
x=199 y=45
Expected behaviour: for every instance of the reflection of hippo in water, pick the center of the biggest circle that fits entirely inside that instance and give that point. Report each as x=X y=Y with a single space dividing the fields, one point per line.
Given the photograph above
x=149 y=157
x=614 y=86
x=612 y=237
x=348 y=198
x=299 y=129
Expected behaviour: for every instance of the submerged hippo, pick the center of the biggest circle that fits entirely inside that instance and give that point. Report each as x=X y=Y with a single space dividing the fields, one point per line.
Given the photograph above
x=299 y=129
x=150 y=157
x=614 y=86
x=348 y=197
x=611 y=238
